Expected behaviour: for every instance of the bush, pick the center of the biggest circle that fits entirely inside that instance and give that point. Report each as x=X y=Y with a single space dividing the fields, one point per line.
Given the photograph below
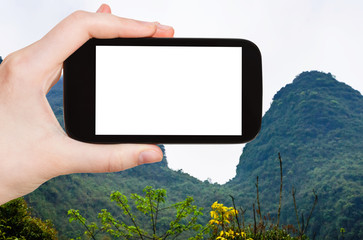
x=152 y=205
x=16 y=222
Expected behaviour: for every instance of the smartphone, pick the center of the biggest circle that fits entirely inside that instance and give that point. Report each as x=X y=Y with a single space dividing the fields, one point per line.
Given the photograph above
x=163 y=90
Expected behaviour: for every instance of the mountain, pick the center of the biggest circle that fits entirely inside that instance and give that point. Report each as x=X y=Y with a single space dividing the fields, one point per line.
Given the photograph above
x=316 y=123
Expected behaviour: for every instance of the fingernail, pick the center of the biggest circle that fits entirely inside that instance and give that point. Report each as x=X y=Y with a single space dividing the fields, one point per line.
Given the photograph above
x=162 y=27
x=149 y=156
x=100 y=8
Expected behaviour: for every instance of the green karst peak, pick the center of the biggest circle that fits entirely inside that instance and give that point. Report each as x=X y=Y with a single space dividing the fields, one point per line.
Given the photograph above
x=316 y=123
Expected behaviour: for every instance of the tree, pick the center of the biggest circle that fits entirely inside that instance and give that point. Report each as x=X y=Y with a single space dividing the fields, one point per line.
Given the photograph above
x=153 y=206
x=16 y=222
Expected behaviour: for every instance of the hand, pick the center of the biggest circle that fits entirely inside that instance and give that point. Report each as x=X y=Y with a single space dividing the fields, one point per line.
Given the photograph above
x=33 y=146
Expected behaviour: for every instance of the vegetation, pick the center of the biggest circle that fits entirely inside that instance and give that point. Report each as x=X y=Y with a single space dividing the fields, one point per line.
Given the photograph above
x=226 y=222
x=316 y=123
x=229 y=223
x=16 y=222
x=152 y=205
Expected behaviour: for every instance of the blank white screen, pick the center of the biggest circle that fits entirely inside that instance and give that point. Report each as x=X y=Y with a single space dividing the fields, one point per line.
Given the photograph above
x=143 y=90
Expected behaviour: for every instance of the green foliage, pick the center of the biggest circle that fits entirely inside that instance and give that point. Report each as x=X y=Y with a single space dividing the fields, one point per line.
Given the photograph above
x=226 y=222
x=152 y=205
x=316 y=123
x=229 y=223
x=16 y=222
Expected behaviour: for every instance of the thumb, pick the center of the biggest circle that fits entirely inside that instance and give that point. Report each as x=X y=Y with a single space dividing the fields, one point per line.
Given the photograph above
x=79 y=157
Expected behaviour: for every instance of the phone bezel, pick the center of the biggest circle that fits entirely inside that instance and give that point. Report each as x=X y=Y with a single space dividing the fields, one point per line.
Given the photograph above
x=79 y=91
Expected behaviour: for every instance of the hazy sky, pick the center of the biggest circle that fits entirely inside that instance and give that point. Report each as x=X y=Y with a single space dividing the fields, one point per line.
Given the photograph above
x=293 y=36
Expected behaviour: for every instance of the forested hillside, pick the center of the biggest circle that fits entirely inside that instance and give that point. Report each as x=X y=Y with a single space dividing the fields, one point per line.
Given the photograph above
x=316 y=123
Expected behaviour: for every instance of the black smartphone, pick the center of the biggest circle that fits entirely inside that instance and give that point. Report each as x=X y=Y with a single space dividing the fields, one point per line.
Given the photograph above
x=163 y=90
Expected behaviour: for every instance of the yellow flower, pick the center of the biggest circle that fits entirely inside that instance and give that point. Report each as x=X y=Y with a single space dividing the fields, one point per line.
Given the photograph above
x=214 y=221
x=221 y=238
x=230 y=233
x=213 y=214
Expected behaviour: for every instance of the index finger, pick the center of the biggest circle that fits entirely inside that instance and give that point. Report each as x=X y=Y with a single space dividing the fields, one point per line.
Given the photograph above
x=71 y=33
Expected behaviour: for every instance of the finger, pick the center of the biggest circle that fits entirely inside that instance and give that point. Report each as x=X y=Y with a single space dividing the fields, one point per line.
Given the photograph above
x=104 y=8
x=78 y=157
x=76 y=29
x=163 y=31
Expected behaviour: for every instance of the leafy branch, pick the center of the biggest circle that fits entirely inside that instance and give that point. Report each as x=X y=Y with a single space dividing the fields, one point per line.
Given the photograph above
x=152 y=205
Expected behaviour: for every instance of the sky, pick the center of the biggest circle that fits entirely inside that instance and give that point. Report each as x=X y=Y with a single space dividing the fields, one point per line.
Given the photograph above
x=293 y=36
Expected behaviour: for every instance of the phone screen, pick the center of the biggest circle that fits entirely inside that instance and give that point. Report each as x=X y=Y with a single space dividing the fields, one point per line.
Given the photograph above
x=168 y=90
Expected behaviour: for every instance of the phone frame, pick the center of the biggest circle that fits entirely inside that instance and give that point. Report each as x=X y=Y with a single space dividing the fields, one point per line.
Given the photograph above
x=79 y=91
